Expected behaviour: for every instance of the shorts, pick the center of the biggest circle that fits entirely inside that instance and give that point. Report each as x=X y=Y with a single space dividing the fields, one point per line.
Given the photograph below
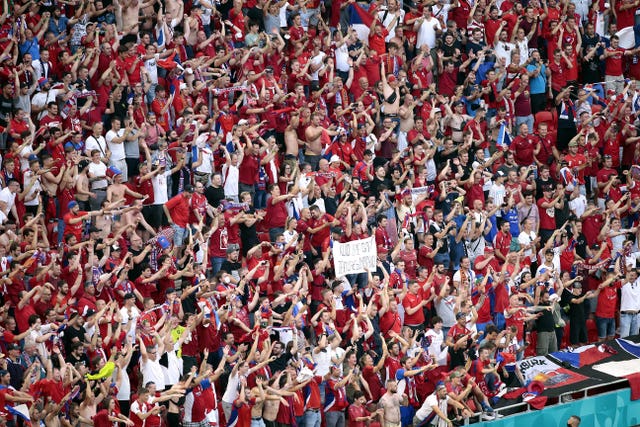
x=606 y=327
x=179 y=234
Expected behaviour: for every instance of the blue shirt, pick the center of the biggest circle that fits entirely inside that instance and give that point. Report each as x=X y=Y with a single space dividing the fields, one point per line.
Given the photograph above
x=60 y=27
x=538 y=84
x=32 y=47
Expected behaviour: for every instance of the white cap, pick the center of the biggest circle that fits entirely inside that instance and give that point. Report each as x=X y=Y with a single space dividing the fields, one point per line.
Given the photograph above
x=334 y=158
x=183 y=86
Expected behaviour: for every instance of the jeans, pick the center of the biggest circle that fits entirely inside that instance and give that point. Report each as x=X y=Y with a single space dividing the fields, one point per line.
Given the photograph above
x=334 y=419
x=311 y=419
x=179 y=233
x=606 y=327
x=525 y=119
x=500 y=321
x=483 y=326
x=443 y=259
x=216 y=264
x=629 y=324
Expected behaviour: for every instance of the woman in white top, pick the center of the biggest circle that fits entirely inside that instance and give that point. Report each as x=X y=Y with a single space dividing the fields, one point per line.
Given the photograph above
x=231 y=173
x=150 y=364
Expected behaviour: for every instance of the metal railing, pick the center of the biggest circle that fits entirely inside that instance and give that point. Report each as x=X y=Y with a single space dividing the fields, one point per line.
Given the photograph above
x=515 y=408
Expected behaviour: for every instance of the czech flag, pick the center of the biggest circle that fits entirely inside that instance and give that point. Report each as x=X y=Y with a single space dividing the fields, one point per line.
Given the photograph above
x=20 y=411
x=504 y=139
x=361 y=20
x=582 y=356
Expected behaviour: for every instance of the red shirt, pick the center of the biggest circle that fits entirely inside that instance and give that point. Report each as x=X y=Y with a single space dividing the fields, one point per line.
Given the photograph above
x=75 y=229
x=547 y=216
x=376 y=42
x=413 y=301
x=522 y=147
x=613 y=64
x=179 y=208
x=608 y=301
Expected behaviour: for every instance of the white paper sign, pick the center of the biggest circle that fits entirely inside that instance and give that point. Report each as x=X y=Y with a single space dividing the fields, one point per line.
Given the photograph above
x=353 y=257
x=537 y=368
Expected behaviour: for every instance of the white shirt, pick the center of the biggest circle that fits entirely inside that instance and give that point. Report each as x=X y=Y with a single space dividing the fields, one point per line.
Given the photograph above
x=315 y=61
x=436 y=346
x=497 y=193
x=342 y=56
x=207 y=160
x=41 y=99
x=24 y=157
x=387 y=19
x=151 y=65
x=630 y=296
x=427 y=408
x=152 y=372
x=29 y=176
x=578 y=205
x=427 y=33
x=117 y=149
x=9 y=198
x=231 y=176
x=523 y=48
x=160 y=190
x=124 y=314
x=98 y=169
x=231 y=393
x=525 y=239
x=94 y=143
x=503 y=50
x=323 y=362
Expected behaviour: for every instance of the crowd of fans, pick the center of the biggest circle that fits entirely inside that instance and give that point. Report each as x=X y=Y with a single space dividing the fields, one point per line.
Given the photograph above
x=175 y=173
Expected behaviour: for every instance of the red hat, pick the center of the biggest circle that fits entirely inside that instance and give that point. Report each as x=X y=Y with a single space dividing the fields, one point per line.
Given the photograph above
x=392 y=79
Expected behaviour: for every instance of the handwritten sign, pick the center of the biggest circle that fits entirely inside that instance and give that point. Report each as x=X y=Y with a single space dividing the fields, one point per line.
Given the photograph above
x=353 y=257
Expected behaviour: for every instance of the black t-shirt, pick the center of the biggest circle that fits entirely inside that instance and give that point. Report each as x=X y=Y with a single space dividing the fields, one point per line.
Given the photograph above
x=437 y=228
x=136 y=271
x=214 y=195
x=6 y=110
x=230 y=266
x=545 y=322
x=581 y=245
x=69 y=334
x=248 y=235
x=576 y=311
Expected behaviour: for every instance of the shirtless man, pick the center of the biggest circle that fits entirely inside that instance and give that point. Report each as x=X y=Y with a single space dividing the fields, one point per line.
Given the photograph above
x=291 y=141
x=313 y=134
x=89 y=406
x=391 y=92
x=390 y=403
x=406 y=120
x=117 y=190
x=50 y=181
x=133 y=217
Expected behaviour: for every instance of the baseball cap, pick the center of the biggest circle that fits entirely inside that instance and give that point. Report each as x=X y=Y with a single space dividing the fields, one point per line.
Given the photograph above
x=243 y=122
x=129 y=295
x=232 y=248
x=460 y=315
x=334 y=158
x=13 y=346
x=72 y=204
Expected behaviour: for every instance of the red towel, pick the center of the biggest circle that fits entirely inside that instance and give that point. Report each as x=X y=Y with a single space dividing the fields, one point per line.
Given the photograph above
x=514 y=394
x=634 y=383
x=538 y=402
